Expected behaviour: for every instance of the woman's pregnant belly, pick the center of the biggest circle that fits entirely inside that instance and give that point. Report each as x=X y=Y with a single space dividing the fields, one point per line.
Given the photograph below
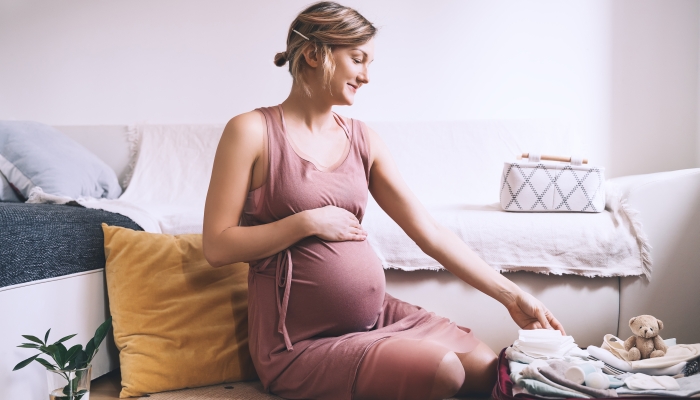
x=337 y=288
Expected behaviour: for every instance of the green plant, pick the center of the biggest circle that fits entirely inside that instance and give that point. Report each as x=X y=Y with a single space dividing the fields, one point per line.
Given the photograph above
x=66 y=359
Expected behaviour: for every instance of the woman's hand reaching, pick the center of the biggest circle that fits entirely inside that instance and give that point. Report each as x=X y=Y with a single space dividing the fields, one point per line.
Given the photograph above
x=530 y=313
x=336 y=224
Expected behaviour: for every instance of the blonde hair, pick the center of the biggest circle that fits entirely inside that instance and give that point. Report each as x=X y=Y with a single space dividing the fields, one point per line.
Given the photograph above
x=323 y=26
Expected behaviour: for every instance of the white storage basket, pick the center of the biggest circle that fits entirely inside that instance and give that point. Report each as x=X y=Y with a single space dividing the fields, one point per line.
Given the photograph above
x=565 y=184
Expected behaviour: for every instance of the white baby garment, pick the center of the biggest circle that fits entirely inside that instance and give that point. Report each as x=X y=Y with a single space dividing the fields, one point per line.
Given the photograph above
x=648 y=382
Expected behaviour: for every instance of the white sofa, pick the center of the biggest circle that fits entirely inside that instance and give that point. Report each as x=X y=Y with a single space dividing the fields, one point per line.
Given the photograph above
x=668 y=202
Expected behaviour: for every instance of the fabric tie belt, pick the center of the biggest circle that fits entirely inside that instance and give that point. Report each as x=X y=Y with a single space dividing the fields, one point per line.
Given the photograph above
x=283 y=278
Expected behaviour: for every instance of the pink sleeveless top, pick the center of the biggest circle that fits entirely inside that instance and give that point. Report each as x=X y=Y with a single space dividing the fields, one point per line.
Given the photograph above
x=315 y=308
x=314 y=288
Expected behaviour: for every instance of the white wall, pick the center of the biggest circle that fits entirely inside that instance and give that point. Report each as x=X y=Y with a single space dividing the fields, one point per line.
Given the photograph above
x=653 y=114
x=624 y=72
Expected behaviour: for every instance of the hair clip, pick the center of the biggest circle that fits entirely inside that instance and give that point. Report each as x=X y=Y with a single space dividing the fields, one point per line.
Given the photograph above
x=299 y=33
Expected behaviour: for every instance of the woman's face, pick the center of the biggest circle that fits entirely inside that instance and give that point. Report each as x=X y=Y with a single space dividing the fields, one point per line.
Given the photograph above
x=351 y=71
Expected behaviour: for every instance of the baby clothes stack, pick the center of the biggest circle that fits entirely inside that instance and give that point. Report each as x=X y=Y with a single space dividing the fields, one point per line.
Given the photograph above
x=547 y=344
x=674 y=374
x=538 y=363
x=613 y=353
x=541 y=363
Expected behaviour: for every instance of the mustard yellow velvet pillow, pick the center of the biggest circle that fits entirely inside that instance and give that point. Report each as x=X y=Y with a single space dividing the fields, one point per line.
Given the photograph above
x=178 y=322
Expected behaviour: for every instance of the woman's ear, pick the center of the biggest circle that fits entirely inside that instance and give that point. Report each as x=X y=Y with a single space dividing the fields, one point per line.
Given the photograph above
x=310 y=56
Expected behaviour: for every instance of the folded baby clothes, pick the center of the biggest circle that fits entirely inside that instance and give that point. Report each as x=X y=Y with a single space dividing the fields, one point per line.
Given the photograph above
x=542 y=389
x=648 y=382
x=535 y=387
x=674 y=354
x=547 y=344
x=576 y=356
x=515 y=355
x=674 y=365
x=688 y=386
x=555 y=372
x=532 y=371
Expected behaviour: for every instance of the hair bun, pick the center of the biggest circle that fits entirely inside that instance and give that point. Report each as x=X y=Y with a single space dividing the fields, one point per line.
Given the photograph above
x=281 y=59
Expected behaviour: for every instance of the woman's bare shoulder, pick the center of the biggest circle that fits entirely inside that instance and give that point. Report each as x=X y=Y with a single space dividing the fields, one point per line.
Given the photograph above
x=243 y=134
x=248 y=124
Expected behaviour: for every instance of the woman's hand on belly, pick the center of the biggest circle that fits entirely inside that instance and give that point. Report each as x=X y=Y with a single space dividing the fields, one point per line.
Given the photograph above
x=335 y=224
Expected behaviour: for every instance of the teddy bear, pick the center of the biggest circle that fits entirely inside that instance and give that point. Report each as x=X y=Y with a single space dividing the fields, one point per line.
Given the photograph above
x=646 y=342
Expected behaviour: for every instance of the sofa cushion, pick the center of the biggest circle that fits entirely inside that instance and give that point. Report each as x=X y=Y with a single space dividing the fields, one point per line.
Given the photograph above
x=34 y=154
x=178 y=322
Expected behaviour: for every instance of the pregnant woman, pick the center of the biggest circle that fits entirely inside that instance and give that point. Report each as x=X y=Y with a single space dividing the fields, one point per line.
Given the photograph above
x=288 y=192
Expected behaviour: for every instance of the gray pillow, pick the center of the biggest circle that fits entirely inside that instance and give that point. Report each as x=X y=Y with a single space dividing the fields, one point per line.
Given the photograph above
x=34 y=154
x=6 y=192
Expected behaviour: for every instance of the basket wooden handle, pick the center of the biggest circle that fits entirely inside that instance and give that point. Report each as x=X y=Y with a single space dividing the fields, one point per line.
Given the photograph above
x=553 y=158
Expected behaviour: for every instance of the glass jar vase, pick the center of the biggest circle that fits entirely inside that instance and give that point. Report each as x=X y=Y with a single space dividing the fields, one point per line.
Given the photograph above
x=71 y=384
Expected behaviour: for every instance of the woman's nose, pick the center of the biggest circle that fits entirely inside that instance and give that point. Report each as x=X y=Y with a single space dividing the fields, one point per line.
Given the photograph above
x=364 y=76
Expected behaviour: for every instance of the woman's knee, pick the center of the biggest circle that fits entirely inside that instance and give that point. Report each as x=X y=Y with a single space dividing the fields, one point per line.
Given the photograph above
x=480 y=366
x=449 y=377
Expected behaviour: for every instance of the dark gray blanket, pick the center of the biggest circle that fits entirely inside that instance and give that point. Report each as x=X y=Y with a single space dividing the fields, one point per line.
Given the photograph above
x=39 y=241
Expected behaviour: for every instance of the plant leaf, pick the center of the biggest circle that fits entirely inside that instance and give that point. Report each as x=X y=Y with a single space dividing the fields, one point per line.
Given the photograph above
x=52 y=350
x=62 y=351
x=90 y=350
x=102 y=331
x=63 y=339
x=25 y=362
x=79 y=361
x=46 y=364
x=33 y=339
x=73 y=352
x=46 y=338
x=29 y=346
x=45 y=350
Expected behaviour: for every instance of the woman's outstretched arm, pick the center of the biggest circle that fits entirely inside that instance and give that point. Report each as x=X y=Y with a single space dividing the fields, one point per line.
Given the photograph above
x=398 y=201
x=224 y=242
